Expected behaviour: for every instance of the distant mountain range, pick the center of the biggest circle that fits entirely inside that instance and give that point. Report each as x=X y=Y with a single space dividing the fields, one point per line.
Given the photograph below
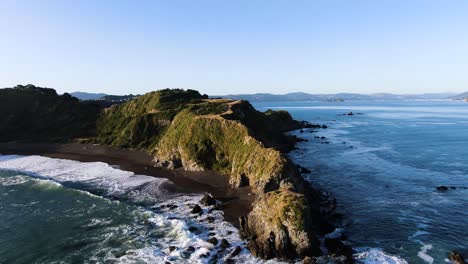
x=461 y=96
x=83 y=96
x=299 y=96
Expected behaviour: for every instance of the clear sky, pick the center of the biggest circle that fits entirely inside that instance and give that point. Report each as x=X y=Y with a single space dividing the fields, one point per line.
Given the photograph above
x=238 y=46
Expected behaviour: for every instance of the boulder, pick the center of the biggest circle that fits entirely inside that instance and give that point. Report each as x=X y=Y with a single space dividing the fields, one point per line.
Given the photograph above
x=224 y=243
x=213 y=241
x=235 y=252
x=208 y=200
x=309 y=260
x=196 y=209
x=336 y=247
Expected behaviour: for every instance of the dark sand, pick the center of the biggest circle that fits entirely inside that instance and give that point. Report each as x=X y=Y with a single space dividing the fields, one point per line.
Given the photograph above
x=236 y=202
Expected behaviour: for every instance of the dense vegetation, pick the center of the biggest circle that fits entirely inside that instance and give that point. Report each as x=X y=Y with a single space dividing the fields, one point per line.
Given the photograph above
x=32 y=113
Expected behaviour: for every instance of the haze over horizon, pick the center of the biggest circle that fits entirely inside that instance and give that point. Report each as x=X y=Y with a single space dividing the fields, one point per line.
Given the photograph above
x=241 y=47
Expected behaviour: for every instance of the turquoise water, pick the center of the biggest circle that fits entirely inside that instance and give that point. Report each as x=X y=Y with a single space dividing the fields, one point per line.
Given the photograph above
x=383 y=165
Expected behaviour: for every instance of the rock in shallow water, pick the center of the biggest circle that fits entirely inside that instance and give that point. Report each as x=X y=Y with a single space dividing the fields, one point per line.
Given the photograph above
x=442 y=188
x=208 y=200
x=213 y=241
x=336 y=247
x=197 y=209
x=224 y=243
x=456 y=258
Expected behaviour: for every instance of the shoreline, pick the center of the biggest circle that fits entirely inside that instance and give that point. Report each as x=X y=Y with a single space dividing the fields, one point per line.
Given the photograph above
x=235 y=202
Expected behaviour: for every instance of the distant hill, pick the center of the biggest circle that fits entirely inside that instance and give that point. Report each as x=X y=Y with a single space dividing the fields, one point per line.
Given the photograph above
x=299 y=96
x=460 y=96
x=104 y=98
x=83 y=96
x=28 y=112
x=118 y=98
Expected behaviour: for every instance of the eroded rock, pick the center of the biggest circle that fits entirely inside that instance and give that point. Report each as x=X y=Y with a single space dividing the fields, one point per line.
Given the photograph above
x=279 y=226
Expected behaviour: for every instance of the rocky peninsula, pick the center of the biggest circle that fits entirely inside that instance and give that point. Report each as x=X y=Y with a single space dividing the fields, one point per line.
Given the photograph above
x=184 y=129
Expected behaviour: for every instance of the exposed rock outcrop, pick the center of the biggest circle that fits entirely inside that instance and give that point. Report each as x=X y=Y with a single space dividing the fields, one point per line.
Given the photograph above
x=231 y=137
x=279 y=226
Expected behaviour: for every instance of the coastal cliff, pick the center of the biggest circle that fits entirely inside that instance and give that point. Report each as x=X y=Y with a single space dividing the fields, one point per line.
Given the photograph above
x=182 y=128
x=232 y=138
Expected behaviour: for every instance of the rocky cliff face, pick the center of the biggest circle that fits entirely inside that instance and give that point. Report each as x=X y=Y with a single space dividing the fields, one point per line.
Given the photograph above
x=230 y=137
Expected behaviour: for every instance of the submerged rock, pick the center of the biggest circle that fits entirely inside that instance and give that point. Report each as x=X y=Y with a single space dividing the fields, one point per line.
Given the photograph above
x=304 y=170
x=442 y=188
x=456 y=258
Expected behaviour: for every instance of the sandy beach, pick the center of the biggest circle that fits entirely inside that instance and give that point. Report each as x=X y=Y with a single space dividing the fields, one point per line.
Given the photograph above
x=236 y=202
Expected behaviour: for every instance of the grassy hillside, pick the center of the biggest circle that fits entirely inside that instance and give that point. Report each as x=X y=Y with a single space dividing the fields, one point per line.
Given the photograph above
x=34 y=113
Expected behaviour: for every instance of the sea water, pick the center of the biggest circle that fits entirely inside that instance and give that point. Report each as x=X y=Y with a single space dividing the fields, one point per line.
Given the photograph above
x=63 y=211
x=383 y=164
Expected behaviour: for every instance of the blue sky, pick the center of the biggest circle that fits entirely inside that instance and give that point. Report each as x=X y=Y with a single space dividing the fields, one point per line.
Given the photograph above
x=221 y=47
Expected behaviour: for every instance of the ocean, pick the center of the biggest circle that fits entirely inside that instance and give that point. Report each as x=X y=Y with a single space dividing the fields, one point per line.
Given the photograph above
x=63 y=211
x=383 y=165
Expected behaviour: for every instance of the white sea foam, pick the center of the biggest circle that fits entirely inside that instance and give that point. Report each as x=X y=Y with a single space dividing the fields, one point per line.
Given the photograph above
x=13 y=180
x=95 y=174
x=423 y=253
x=376 y=256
